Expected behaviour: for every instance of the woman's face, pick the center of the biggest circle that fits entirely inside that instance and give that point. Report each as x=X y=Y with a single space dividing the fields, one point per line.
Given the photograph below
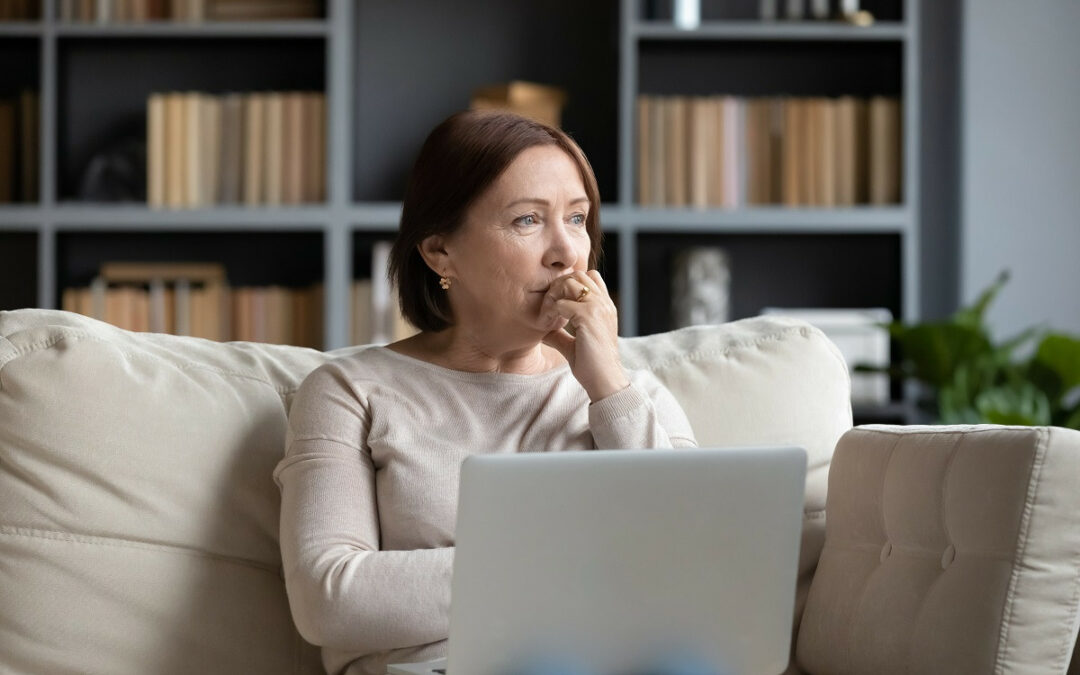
x=525 y=231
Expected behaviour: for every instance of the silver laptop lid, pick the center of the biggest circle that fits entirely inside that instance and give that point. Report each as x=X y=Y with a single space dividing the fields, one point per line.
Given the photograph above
x=608 y=562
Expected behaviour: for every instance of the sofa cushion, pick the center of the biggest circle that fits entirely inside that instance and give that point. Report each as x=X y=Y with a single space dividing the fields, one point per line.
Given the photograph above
x=948 y=550
x=138 y=517
x=767 y=380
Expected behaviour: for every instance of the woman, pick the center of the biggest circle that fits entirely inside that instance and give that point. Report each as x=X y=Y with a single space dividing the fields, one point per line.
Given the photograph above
x=494 y=262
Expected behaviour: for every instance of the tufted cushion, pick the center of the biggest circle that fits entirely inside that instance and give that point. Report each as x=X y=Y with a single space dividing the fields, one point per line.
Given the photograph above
x=948 y=550
x=138 y=517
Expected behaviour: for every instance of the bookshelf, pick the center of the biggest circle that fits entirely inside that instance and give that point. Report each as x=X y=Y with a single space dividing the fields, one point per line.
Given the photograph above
x=390 y=71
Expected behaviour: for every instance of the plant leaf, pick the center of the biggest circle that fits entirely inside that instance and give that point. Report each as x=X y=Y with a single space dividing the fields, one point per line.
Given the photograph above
x=1025 y=405
x=935 y=350
x=1061 y=354
x=972 y=316
x=1073 y=421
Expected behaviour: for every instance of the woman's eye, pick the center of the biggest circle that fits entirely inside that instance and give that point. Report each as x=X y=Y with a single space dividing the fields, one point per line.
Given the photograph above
x=578 y=218
x=529 y=219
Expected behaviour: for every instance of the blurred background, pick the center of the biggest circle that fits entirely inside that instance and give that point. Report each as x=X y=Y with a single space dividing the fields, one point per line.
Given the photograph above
x=233 y=169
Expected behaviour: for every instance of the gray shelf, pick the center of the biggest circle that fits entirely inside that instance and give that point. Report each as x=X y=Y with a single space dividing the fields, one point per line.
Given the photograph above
x=884 y=220
x=137 y=216
x=342 y=216
x=207 y=29
x=776 y=30
x=21 y=29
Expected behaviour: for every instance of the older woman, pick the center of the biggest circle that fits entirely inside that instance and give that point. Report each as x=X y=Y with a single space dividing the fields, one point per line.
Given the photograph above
x=494 y=262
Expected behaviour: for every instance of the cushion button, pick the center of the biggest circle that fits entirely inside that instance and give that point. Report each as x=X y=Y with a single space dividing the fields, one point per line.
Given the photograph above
x=886 y=550
x=948 y=556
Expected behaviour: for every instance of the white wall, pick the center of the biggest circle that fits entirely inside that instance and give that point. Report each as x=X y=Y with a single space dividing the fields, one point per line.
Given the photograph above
x=1020 y=160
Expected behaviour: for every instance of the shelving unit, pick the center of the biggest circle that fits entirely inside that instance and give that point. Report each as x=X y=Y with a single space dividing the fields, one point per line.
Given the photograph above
x=391 y=71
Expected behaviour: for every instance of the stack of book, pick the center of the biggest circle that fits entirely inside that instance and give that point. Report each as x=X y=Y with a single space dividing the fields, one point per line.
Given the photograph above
x=20 y=10
x=729 y=152
x=109 y=11
x=196 y=299
x=376 y=313
x=19 y=140
x=251 y=149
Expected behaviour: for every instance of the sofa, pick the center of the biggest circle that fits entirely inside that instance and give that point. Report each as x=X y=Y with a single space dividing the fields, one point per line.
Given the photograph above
x=139 y=519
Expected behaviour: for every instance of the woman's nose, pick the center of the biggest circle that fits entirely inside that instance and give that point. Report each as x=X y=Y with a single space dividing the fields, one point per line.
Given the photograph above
x=560 y=253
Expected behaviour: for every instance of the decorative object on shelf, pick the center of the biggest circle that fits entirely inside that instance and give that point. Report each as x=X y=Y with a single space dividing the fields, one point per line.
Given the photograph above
x=117 y=11
x=794 y=9
x=376 y=314
x=266 y=148
x=767 y=10
x=700 y=287
x=970 y=379
x=687 y=14
x=862 y=339
x=535 y=101
x=729 y=152
x=819 y=9
x=116 y=174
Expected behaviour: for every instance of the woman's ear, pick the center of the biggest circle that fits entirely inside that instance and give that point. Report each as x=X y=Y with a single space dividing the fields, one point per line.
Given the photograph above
x=433 y=251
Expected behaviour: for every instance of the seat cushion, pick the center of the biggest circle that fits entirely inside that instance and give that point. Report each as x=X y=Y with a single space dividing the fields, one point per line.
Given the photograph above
x=948 y=550
x=138 y=517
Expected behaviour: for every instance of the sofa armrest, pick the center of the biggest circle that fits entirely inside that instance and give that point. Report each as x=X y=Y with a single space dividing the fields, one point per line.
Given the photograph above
x=948 y=549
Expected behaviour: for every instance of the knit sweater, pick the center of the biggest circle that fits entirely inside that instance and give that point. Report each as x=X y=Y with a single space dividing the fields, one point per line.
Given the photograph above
x=369 y=486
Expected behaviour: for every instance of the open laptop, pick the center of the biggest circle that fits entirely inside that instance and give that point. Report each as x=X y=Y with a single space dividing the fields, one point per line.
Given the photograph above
x=619 y=562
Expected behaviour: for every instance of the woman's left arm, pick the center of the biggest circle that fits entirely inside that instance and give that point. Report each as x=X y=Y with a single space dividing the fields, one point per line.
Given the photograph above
x=641 y=415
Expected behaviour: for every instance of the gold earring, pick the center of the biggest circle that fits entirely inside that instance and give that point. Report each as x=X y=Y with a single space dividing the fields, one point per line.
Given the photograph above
x=444 y=282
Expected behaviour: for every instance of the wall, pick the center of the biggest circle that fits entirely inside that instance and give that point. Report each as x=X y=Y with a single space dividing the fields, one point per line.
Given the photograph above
x=1020 y=160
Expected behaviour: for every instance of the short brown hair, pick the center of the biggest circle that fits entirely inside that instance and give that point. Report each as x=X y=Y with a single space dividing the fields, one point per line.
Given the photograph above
x=461 y=158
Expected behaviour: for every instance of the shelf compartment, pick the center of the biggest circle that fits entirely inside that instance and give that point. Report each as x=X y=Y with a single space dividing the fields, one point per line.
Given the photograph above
x=107 y=100
x=18 y=270
x=770 y=68
x=251 y=258
x=402 y=92
x=796 y=270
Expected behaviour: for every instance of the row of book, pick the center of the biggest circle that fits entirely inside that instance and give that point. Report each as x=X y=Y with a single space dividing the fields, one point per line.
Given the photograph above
x=197 y=300
x=110 y=11
x=264 y=148
x=19 y=145
x=20 y=10
x=729 y=152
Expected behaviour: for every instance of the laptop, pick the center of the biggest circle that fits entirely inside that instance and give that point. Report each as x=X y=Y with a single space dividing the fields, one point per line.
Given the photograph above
x=620 y=562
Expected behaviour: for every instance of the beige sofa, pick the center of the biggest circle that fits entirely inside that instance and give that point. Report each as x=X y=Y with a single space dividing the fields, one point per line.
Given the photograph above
x=138 y=517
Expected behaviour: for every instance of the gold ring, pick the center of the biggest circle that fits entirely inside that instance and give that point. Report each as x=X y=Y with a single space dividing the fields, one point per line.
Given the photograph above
x=583 y=293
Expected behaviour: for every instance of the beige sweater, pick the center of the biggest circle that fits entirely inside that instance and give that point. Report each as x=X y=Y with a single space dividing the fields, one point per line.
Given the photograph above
x=369 y=486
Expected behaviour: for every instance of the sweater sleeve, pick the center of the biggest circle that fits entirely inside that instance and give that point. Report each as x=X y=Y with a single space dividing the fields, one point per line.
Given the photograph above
x=643 y=415
x=344 y=592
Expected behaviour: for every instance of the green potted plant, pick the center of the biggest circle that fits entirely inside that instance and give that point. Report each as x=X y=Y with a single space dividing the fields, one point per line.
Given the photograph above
x=971 y=380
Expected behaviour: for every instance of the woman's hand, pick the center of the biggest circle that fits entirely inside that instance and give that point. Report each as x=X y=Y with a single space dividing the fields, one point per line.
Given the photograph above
x=593 y=348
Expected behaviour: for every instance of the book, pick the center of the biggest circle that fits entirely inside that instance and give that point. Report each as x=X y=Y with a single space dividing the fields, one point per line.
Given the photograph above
x=232 y=149
x=885 y=151
x=293 y=151
x=274 y=140
x=155 y=151
x=254 y=149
